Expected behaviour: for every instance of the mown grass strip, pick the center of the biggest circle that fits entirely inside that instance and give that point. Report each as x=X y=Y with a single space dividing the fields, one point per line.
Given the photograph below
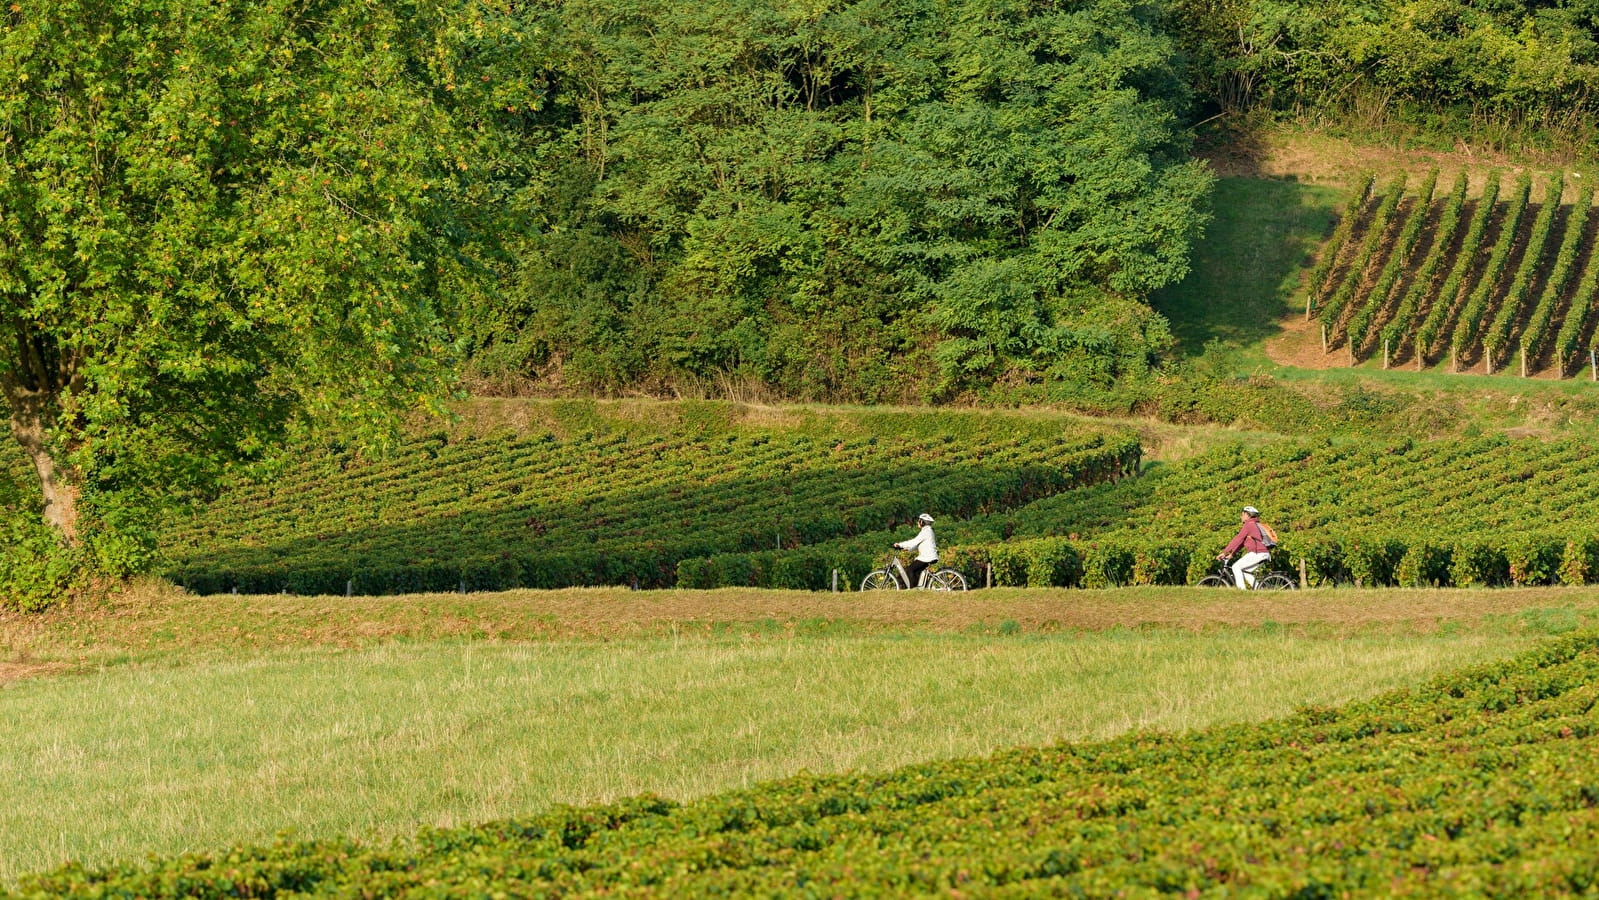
x=157 y=626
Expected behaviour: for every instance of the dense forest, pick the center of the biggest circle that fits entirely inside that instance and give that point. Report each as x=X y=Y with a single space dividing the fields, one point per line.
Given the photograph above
x=862 y=201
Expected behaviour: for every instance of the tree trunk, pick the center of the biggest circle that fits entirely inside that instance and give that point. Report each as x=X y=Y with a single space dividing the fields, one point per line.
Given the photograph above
x=30 y=420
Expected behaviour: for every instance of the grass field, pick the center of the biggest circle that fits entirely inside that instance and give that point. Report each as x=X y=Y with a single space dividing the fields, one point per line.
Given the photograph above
x=161 y=723
x=1247 y=268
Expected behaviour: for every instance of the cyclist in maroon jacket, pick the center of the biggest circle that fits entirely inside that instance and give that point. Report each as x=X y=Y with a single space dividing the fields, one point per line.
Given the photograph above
x=1253 y=541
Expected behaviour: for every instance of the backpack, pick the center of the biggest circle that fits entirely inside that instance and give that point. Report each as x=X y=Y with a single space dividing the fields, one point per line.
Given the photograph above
x=1268 y=535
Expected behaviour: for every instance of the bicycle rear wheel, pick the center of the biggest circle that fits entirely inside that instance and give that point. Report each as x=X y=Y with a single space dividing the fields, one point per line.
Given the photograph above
x=1214 y=581
x=947 y=580
x=1276 y=582
x=881 y=580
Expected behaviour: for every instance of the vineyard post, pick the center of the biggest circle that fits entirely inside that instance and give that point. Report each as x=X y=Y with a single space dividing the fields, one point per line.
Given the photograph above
x=1523 y=362
x=1454 y=364
x=1324 y=338
x=1302 y=577
x=835 y=581
x=349 y=586
x=1385 y=353
x=988 y=575
x=1352 y=360
x=1594 y=363
x=1307 y=307
x=461 y=588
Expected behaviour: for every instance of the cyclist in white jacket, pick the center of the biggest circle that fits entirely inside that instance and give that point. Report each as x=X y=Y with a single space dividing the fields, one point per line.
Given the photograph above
x=926 y=547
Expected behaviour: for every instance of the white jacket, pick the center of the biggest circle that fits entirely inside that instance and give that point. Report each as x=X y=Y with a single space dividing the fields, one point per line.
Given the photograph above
x=923 y=543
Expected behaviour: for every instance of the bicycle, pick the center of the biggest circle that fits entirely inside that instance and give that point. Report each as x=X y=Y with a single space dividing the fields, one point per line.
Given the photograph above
x=892 y=577
x=1270 y=581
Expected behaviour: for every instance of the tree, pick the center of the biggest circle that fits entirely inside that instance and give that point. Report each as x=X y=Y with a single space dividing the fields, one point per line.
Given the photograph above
x=221 y=221
x=873 y=200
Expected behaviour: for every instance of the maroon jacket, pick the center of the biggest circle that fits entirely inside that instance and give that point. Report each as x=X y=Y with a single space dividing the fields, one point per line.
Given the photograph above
x=1248 y=537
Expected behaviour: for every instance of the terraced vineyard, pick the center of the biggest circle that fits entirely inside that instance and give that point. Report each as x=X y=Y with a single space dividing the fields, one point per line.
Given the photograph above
x=613 y=507
x=1501 y=281
x=1479 y=512
x=1482 y=783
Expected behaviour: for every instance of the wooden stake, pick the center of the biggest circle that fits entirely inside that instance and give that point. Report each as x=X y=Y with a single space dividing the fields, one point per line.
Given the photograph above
x=1523 y=361
x=1385 y=353
x=1454 y=364
x=1324 y=338
x=1307 y=307
x=1302 y=579
x=1595 y=363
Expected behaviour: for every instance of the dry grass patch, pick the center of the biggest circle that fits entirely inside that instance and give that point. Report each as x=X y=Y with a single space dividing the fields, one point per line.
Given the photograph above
x=155 y=623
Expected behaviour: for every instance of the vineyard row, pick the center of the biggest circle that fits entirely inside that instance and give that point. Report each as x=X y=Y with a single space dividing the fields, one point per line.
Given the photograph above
x=1503 y=280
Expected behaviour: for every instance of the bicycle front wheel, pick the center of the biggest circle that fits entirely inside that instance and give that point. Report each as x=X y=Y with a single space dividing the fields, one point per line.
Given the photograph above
x=881 y=580
x=947 y=580
x=1214 y=581
x=1276 y=583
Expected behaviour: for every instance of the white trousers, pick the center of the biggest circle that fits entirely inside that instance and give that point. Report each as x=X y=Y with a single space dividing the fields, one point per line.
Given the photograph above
x=1244 y=569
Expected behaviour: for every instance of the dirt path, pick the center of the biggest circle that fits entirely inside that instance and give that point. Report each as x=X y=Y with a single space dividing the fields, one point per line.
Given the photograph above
x=167 y=627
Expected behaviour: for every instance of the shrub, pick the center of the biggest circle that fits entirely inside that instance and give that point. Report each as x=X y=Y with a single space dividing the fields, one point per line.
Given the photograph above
x=1371 y=561
x=35 y=569
x=1324 y=559
x=803 y=570
x=1010 y=562
x=1478 y=563
x=1534 y=559
x=695 y=574
x=1053 y=562
x=1579 y=564
x=1107 y=565
x=1425 y=564
x=1160 y=564
x=1201 y=563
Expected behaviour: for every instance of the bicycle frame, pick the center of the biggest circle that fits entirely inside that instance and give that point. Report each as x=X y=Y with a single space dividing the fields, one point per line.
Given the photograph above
x=903 y=576
x=896 y=570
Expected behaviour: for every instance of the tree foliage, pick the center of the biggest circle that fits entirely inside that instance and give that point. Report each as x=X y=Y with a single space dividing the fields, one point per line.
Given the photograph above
x=1520 y=60
x=862 y=199
x=220 y=221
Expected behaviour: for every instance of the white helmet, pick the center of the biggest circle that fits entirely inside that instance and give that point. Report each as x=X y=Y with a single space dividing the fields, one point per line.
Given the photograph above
x=925 y=519
x=1252 y=511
